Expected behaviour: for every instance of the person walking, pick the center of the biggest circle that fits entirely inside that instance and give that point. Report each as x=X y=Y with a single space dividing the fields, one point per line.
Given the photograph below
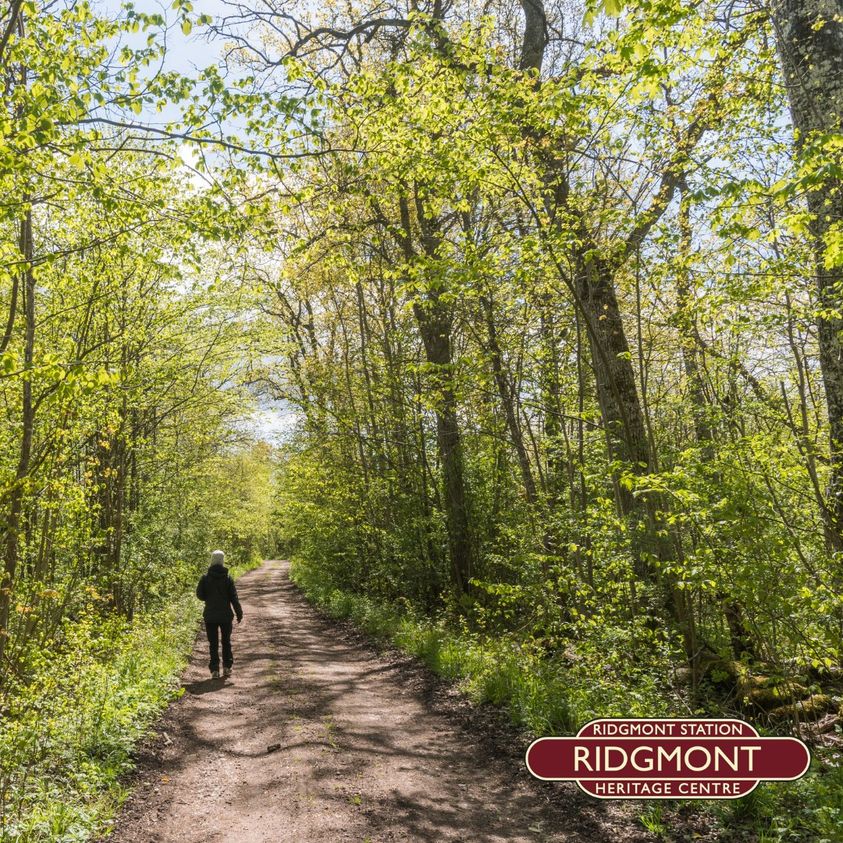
x=216 y=588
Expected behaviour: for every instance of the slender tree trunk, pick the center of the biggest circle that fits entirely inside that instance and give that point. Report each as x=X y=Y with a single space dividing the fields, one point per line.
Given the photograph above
x=507 y=402
x=687 y=333
x=434 y=319
x=435 y=328
x=553 y=427
x=11 y=545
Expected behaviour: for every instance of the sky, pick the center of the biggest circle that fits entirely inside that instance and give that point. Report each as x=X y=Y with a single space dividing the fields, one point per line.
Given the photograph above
x=272 y=421
x=184 y=52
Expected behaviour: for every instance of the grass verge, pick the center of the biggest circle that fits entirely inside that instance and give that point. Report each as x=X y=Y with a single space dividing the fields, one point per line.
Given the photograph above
x=68 y=731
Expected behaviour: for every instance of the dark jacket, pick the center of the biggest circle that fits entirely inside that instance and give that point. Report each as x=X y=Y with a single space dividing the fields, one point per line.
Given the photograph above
x=218 y=591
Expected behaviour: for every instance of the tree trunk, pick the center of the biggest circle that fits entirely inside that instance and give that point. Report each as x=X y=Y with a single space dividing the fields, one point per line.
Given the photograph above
x=16 y=497
x=435 y=322
x=507 y=402
x=810 y=42
x=435 y=329
x=686 y=324
x=620 y=407
x=553 y=428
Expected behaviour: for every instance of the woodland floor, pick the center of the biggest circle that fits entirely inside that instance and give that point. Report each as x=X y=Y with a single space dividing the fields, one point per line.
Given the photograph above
x=372 y=748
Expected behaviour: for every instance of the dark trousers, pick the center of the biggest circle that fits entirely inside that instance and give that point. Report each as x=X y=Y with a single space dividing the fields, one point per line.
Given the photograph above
x=213 y=629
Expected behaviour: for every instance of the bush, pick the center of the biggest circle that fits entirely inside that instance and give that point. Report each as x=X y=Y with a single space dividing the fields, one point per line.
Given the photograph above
x=69 y=729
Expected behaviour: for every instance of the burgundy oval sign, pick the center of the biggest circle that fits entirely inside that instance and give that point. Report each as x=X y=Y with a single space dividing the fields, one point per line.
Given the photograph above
x=668 y=758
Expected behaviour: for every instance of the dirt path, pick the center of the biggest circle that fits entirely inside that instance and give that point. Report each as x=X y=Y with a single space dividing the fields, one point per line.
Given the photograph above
x=362 y=756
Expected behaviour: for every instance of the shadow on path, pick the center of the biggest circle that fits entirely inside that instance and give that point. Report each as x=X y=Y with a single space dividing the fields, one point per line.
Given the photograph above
x=319 y=739
x=206 y=686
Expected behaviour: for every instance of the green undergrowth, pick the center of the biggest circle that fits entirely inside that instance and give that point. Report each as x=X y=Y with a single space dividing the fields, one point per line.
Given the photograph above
x=68 y=730
x=244 y=567
x=809 y=810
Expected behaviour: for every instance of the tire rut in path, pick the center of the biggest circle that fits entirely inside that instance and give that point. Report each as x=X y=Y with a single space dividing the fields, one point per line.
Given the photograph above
x=361 y=756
